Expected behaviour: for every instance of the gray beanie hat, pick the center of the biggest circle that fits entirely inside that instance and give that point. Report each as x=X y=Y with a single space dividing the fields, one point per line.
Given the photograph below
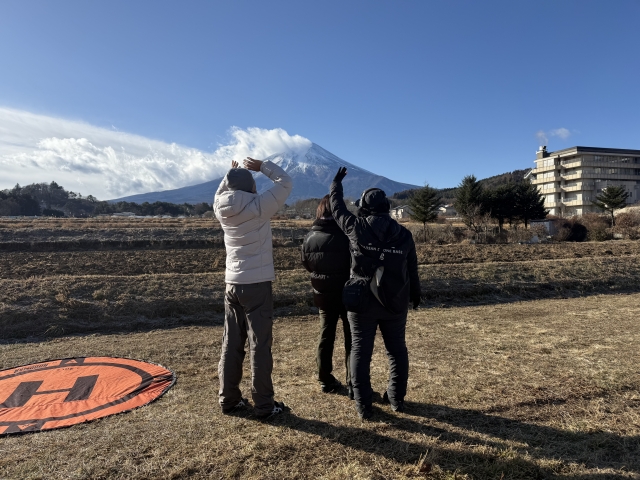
x=241 y=179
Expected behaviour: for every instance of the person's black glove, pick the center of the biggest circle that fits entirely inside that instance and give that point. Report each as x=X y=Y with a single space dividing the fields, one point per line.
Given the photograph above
x=342 y=172
x=415 y=301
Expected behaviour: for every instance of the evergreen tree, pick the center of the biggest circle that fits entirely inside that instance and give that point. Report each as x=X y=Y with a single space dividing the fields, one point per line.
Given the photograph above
x=468 y=202
x=424 y=204
x=500 y=202
x=529 y=203
x=611 y=199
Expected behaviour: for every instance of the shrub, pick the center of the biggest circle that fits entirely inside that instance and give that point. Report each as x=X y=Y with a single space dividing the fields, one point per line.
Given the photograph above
x=519 y=235
x=50 y=212
x=570 y=230
x=628 y=224
x=597 y=227
x=539 y=230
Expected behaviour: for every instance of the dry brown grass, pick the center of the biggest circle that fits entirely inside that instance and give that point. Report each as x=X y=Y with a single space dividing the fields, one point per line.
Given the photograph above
x=56 y=293
x=525 y=390
x=546 y=388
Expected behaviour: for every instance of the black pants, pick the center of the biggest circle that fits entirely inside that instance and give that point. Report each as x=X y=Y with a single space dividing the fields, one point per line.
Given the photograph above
x=332 y=312
x=363 y=333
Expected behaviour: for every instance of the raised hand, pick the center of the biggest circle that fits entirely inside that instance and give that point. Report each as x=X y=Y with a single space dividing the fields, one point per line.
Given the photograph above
x=252 y=164
x=234 y=164
x=342 y=172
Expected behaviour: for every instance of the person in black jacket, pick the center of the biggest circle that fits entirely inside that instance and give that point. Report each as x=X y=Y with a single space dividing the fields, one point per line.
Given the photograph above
x=384 y=278
x=325 y=253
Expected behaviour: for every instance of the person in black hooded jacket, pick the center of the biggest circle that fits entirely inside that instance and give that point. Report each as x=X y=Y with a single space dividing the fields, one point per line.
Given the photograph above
x=325 y=253
x=383 y=280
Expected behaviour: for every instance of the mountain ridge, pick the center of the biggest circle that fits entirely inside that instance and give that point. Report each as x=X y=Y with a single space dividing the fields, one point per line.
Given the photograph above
x=311 y=171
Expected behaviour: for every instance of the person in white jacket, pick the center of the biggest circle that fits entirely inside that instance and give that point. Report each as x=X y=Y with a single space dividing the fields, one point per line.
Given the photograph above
x=248 y=303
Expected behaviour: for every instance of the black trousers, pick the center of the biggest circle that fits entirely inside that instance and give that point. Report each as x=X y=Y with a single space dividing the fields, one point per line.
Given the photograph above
x=363 y=333
x=332 y=312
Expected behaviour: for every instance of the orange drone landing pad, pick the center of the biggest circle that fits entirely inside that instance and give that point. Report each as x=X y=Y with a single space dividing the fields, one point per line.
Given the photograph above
x=61 y=393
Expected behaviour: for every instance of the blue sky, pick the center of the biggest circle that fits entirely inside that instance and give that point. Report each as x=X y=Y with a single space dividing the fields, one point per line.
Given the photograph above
x=421 y=91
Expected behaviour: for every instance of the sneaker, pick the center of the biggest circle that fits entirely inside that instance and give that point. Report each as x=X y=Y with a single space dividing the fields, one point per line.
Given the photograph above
x=243 y=403
x=350 y=392
x=396 y=406
x=365 y=413
x=332 y=387
x=278 y=408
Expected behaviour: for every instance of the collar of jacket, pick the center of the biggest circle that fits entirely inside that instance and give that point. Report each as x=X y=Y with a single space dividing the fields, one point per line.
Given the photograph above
x=322 y=224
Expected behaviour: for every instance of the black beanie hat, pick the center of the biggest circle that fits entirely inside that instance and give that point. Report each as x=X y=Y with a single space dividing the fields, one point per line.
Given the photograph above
x=241 y=179
x=375 y=201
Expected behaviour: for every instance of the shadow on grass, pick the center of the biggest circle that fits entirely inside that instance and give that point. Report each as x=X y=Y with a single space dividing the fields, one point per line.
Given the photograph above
x=482 y=445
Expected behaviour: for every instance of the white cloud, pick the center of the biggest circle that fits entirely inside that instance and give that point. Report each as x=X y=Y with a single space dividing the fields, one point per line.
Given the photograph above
x=563 y=133
x=543 y=137
x=108 y=163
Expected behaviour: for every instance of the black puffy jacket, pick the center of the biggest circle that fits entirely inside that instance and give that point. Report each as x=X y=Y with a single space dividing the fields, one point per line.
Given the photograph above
x=325 y=253
x=379 y=241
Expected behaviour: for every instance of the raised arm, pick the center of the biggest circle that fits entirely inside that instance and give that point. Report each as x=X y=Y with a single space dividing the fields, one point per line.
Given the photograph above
x=344 y=218
x=270 y=201
x=223 y=187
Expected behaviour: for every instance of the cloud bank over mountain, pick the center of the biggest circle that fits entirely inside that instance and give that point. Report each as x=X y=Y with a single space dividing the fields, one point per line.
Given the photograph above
x=109 y=163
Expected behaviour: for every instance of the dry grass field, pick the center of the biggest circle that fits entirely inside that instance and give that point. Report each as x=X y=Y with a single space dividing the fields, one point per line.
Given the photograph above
x=524 y=361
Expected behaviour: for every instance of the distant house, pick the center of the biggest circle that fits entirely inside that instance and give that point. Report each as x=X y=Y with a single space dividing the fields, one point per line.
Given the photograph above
x=447 y=211
x=403 y=211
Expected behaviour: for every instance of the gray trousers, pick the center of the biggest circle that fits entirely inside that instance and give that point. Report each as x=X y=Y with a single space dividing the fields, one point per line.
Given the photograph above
x=248 y=313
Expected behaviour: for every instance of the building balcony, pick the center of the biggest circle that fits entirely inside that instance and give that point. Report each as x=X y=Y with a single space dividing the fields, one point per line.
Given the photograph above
x=554 y=178
x=546 y=191
x=545 y=169
x=580 y=186
x=600 y=176
x=593 y=163
x=576 y=203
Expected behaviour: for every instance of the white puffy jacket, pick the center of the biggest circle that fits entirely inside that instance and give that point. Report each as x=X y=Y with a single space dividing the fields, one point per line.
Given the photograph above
x=245 y=219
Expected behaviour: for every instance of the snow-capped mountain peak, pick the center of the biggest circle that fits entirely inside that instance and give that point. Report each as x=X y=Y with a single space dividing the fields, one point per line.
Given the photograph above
x=312 y=172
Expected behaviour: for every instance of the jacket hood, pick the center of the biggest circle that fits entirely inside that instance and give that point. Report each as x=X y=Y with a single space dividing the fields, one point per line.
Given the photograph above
x=384 y=227
x=240 y=179
x=232 y=202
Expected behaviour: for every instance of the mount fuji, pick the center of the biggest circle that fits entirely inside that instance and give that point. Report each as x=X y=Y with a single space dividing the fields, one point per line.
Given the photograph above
x=312 y=172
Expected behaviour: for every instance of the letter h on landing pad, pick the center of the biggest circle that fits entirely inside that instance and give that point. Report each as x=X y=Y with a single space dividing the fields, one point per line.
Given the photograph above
x=81 y=390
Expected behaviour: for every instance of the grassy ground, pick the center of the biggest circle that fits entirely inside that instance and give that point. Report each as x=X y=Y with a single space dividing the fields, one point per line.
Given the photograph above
x=57 y=293
x=524 y=359
x=538 y=389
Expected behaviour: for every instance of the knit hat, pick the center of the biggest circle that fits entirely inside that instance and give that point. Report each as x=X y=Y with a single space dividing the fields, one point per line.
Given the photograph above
x=241 y=179
x=374 y=201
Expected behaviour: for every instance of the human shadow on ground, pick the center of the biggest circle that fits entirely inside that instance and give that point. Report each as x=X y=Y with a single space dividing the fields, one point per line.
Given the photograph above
x=459 y=432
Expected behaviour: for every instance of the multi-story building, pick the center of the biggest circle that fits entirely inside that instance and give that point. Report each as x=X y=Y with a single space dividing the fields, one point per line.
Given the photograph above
x=570 y=179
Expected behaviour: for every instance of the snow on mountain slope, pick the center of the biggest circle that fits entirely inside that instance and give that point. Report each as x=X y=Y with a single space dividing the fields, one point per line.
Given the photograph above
x=312 y=173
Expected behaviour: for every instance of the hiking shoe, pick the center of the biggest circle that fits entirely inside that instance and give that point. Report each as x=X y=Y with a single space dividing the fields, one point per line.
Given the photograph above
x=365 y=413
x=332 y=387
x=350 y=392
x=242 y=403
x=278 y=408
x=395 y=406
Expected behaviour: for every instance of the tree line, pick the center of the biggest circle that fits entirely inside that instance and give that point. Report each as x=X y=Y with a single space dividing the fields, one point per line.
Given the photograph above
x=509 y=202
x=51 y=199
